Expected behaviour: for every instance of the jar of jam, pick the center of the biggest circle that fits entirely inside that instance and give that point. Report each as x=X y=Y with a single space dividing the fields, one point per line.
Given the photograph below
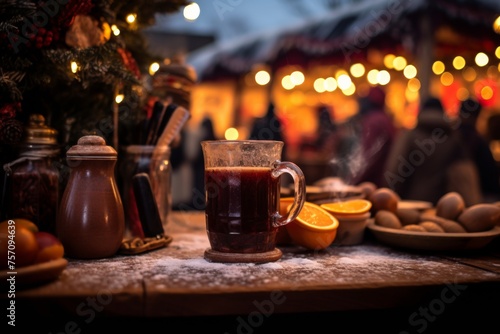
x=33 y=178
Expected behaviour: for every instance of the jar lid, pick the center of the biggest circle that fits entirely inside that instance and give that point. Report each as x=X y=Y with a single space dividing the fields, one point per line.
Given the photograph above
x=37 y=132
x=91 y=146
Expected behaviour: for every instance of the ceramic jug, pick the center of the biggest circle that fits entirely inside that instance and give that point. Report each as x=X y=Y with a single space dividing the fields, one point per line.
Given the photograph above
x=91 y=220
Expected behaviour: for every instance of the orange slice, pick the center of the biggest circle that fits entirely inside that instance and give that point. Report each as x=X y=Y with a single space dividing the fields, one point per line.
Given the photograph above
x=314 y=227
x=349 y=207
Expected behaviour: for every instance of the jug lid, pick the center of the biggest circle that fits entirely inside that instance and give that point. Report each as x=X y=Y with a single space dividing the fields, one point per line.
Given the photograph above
x=37 y=132
x=91 y=146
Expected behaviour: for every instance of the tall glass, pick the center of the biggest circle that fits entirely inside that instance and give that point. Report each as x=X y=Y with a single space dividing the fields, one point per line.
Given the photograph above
x=242 y=189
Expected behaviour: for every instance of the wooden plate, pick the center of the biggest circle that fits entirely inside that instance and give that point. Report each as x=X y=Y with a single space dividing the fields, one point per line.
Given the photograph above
x=35 y=274
x=432 y=241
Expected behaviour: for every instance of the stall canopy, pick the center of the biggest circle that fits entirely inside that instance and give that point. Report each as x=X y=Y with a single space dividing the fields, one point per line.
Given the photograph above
x=454 y=27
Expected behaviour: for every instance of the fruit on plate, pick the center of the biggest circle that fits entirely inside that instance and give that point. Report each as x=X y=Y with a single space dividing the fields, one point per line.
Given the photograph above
x=388 y=219
x=450 y=205
x=27 y=245
x=49 y=247
x=384 y=199
x=314 y=228
x=18 y=246
x=480 y=217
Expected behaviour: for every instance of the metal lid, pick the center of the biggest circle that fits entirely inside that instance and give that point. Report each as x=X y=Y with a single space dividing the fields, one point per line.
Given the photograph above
x=37 y=132
x=91 y=147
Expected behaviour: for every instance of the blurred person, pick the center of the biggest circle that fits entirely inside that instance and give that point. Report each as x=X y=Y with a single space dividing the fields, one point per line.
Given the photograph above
x=376 y=132
x=268 y=127
x=479 y=150
x=429 y=160
x=325 y=137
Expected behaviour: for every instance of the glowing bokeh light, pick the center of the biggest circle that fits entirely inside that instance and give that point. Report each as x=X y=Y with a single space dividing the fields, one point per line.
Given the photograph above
x=262 y=77
x=438 y=67
x=297 y=78
x=410 y=72
x=330 y=84
x=469 y=74
x=287 y=83
x=486 y=93
x=383 y=77
x=458 y=62
x=446 y=79
x=372 y=76
x=414 y=85
x=191 y=12
x=131 y=18
x=153 y=68
x=399 y=63
x=231 y=134
x=357 y=70
x=389 y=60
x=481 y=59
x=319 y=85
x=344 y=81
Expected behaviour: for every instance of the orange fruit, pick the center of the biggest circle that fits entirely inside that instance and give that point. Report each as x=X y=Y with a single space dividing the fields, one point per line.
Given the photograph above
x=49 y=247
x=314 y=228
x=24 y=222
x=17 y=244
x=349 y=207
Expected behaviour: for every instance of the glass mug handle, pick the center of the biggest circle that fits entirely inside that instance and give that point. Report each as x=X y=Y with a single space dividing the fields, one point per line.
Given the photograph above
x=299 y=183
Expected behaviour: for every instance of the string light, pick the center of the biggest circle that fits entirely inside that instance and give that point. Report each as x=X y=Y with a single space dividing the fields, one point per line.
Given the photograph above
x=191 y=12
x=262 y=77
x=115 y=30
x=153 y=68
x=119 y=98
x=131 y=18
x=74 y=66
x=231 y=134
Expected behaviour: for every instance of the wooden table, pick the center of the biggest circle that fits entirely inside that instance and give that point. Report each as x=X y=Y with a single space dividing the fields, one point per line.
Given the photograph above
x=367 y=286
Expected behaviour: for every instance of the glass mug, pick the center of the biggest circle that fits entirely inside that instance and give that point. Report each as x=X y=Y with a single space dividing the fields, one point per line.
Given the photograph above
x=242 y=190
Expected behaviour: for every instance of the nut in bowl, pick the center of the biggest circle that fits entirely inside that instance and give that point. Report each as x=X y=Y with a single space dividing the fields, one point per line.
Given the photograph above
x=353 y=218
x=314 y=228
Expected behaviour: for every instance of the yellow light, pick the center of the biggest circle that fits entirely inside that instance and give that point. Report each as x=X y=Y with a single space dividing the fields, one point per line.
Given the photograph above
x=414 y=85
x=410 y=72
x=446 y=79
x=119 y=98
x=486 y=92
x=469 y=74
x=458 y=62
x=231 y=134
x=131 y=18
x=344 y=81
x=319 y=85
x=297 y=78
x=115 y=30
x=287 y=83
x=349 y=90
x=372 y=76
x=191 y=12
x=399 y=63
x=496 y=25
x=357 y=70
x=389 y=61
x=438 y=67
x=481 y=59
x=462 y=94
x=74 y=66
x=330 y=84
x=153 y=68
x=383 y=77
x=262 y=77
x=339 y=73
x=497 y=52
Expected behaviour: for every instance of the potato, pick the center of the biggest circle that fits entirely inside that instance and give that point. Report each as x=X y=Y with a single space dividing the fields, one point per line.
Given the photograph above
x=450 y=206
x=408 y=216
x=480 y=217
x=414 y=228
x=431 y=227
x=448 y=225
x=388 y=219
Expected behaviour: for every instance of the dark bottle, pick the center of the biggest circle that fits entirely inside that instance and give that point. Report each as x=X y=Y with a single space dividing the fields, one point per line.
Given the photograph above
x=33 y=179
x=91 y=221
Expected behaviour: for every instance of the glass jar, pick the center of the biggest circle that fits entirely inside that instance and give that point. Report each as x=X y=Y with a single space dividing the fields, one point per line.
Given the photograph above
x=144 y=159
x=33 y=179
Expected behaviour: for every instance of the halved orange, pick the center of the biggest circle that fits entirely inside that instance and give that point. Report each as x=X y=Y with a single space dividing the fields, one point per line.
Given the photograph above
x=314 y=227
x=349 y=207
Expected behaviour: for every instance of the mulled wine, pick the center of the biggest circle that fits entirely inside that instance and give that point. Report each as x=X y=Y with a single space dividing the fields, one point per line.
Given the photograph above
x=241 y=205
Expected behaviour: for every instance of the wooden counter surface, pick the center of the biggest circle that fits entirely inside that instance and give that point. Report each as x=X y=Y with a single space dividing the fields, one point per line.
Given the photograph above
x=176 y=282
